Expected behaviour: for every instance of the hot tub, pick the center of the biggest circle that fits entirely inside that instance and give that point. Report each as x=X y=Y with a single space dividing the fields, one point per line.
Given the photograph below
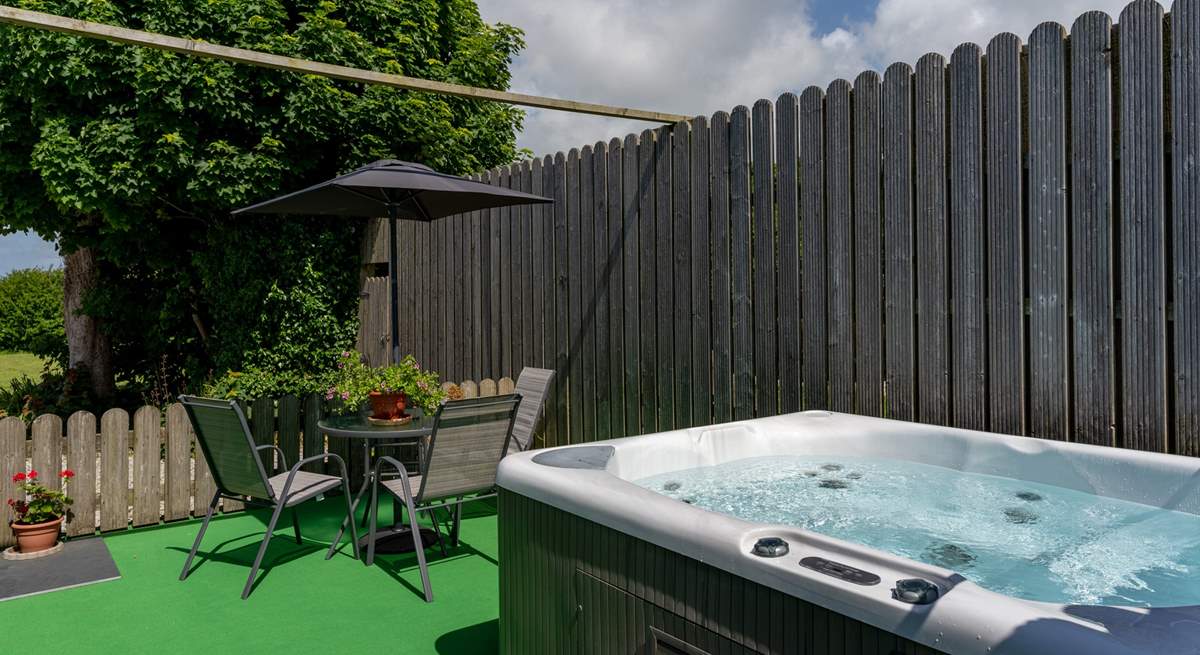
x=664 y=543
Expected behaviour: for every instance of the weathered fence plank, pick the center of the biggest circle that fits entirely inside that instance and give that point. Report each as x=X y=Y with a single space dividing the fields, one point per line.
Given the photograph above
x=933 y=348
x=82 y=459
x=577 y=385
x=967 y=267
x=614 y=264
x=1142 y=229
x=600 y=413
x=1005 y=234
x=47 y=436
x=721 y=292
x=839 y=250
x=12 y=461
x=147 y=449
x=681 y=296
x=562 y=326
x=1048 y=248
x=741 y=315
x=665 y=275
x=114 y=470
x=631 y=185
x=787 y=189
x=178 y=464
x=647 y=272
x=498 y=256
x=898 y=276
x=1094 y=328
x=868 y=256
x=814 y=352
x=1185 y=220
x=289 y=428
x=585 y=335
x=766 y=361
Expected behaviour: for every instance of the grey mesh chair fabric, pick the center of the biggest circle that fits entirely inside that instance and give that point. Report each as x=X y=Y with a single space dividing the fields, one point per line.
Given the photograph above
x=469 y=437
x=533 y=385
x=238 y=473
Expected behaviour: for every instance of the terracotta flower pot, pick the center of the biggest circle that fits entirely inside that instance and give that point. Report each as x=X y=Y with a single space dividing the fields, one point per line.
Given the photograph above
x=37 y=536
x=388 y=405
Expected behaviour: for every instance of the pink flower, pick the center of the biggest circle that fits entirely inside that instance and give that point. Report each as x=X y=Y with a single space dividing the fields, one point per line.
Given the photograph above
x=345 y=395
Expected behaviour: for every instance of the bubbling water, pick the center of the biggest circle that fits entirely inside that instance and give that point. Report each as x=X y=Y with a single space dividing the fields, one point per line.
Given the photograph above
x=1024 y=539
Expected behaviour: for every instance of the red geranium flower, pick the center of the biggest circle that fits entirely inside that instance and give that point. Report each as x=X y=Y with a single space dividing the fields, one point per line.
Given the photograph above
x=32 y=474
x=68 y=473
x=20 y=477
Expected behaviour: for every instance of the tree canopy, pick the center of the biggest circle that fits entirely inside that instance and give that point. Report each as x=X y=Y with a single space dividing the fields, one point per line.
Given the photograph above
x=139 y=155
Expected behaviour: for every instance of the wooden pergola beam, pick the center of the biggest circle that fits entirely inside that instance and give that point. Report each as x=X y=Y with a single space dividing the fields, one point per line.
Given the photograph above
x=87 y=29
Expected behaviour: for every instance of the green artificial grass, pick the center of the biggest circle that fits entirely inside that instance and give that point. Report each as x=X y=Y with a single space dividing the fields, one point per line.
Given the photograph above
x=301 y=604
x=14 y=365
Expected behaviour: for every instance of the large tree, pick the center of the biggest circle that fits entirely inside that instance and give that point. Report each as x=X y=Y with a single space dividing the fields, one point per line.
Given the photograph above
x=131 y=159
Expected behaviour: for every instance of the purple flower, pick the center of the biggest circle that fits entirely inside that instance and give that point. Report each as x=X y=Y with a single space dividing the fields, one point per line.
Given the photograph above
x=329 y=394
x=345 y=395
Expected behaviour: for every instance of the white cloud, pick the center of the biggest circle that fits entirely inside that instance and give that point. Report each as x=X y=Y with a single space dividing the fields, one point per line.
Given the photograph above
x=701 y=56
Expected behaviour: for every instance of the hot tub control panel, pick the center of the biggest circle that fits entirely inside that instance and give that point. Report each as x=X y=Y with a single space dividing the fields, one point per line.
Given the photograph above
x=841 y=571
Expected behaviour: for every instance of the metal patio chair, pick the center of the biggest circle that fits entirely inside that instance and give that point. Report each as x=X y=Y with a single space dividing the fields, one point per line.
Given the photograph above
x=469 y=437
x=533 y=385
x=237 y=470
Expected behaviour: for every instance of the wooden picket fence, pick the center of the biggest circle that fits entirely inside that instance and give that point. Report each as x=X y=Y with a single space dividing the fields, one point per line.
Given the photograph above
x=1003 y=239
x=146 y=472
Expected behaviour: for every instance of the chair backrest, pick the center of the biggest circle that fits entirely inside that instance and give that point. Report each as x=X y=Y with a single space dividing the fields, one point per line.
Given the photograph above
x=469 y=438
x=534 y=386
x=224 y=437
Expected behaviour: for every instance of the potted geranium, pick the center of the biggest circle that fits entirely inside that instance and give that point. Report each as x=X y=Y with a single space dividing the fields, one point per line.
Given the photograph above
x=389 y=390
x=39 y=510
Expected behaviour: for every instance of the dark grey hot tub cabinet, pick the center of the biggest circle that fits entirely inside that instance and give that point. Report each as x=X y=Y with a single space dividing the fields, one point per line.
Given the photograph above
x=569 y=585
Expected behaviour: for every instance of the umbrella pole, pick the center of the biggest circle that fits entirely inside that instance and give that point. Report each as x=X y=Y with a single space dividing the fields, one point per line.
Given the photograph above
x=394 y=282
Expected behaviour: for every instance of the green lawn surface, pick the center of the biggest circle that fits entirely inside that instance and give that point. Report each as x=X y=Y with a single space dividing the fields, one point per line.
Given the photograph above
x=301 y=604
x=14 y=365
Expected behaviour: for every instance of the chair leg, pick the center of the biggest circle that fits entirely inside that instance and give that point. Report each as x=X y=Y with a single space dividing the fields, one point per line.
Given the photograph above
x=457 y=524
x=372 y=513
x=212 y=506
x=437 y=529
x=419 y=547
x=262 y=549
x=296 y=526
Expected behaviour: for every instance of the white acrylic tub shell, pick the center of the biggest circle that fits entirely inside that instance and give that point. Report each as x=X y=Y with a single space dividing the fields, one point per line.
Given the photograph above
x=966 y=618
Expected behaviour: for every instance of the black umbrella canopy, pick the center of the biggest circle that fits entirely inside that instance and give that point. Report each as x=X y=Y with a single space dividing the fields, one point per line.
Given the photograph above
x=413 y=191
x=396 y=189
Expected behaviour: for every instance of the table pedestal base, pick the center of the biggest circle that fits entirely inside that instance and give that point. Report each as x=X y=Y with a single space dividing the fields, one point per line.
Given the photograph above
x=390 y=541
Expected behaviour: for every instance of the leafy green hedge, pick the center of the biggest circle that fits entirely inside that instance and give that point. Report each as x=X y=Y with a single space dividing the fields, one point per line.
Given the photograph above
x=31 y=314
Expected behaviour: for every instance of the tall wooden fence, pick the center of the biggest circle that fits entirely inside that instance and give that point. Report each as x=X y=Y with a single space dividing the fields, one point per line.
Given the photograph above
x=148 y=471
x=1007 y=240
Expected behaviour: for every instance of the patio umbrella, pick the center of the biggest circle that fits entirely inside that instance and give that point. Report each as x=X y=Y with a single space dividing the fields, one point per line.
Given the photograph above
x=396 y=189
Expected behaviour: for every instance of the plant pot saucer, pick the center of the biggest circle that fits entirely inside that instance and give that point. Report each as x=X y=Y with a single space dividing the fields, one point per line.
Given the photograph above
x=11 y=553
x=389 y=422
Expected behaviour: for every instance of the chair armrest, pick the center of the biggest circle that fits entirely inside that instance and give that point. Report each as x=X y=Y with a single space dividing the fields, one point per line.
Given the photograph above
x=396 y=464
x=282 y=459
x=287 y=485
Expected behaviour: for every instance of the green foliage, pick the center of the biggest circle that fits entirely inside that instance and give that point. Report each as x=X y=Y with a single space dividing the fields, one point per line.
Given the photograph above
x=35 y=502
x=31 y=313
x=140 y=154
x=254 y=383
x=54 y=392
x=352 y=381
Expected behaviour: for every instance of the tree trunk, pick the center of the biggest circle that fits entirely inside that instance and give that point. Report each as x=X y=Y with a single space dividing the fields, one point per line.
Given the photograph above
x=87 y=345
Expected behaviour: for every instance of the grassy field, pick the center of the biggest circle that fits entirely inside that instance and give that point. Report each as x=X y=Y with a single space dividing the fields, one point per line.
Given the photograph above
x=13 y=365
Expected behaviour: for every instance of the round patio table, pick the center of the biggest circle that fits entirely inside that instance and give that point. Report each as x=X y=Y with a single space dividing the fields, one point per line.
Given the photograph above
x=398 y=538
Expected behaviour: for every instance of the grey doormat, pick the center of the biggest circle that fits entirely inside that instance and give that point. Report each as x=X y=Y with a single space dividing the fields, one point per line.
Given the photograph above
x=82 y=562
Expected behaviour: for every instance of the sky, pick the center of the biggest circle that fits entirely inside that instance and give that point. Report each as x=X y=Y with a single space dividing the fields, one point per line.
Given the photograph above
x=698 y=56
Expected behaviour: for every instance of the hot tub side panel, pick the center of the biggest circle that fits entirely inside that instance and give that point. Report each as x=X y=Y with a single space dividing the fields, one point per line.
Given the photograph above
x=569 y=585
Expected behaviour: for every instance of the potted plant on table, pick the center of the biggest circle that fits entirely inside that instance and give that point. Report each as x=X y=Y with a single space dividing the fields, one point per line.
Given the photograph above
x=388 y=390
x=39 y=510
